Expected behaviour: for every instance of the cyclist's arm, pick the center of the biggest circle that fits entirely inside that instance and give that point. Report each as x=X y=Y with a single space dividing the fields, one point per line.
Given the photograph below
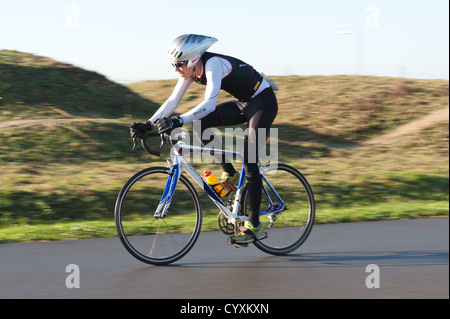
x=172 y=102
x=214 y=71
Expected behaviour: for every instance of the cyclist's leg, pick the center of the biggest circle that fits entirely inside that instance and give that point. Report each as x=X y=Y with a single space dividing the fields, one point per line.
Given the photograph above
x=225 y=114
x=260 y=113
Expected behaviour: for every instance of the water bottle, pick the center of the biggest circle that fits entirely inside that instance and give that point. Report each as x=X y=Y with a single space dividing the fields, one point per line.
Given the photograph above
x=215 y=183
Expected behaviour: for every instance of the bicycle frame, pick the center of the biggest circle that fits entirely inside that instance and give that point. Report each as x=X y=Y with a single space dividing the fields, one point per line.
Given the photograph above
x=233 y=216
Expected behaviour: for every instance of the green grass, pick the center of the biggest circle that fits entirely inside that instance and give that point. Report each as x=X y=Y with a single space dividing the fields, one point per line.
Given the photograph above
x=32 y=87
x=68 y=230
x=58 y=231
x=60 y=181
x=393 y=210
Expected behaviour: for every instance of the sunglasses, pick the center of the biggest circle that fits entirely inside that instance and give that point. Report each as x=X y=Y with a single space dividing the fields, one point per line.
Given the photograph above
x=179 y=64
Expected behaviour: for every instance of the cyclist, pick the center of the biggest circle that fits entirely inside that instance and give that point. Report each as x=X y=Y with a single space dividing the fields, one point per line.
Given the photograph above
x=254 y=103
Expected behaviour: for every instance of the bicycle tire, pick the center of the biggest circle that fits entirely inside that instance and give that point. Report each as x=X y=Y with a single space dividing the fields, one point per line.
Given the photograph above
x=125 y=213
x=302 y=187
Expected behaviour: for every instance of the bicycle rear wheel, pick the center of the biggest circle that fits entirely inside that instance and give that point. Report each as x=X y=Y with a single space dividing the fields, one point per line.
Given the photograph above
x=288 y=229
x=157 y=241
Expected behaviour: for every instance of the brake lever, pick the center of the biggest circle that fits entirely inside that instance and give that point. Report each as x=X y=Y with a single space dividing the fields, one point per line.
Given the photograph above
x=134 y=143
x=163 y=139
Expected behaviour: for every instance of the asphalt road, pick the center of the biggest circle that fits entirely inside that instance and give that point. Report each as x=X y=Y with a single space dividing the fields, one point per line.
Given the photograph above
x=411 y=255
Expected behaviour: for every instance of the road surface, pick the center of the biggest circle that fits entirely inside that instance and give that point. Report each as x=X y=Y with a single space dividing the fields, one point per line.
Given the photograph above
x=411 y=256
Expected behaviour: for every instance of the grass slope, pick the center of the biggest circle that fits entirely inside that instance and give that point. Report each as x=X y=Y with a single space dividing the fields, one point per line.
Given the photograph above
x=33 y=87
x=60 y=180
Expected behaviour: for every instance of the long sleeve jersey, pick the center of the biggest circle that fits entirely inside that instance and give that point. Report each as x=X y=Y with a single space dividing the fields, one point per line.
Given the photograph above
x=219 y=72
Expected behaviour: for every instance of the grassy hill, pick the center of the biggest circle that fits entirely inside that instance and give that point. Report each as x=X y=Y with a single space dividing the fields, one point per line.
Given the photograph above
x=65 y=151
x=33 y=87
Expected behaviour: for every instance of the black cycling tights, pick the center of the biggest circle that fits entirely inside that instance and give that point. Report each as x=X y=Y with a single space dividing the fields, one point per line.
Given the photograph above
x=260 y=113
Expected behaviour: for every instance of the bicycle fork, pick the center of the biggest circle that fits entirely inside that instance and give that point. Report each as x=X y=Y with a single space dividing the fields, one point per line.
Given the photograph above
x=166 y=198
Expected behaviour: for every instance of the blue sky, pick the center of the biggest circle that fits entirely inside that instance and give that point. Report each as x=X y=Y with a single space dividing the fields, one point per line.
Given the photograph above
x=127 y=40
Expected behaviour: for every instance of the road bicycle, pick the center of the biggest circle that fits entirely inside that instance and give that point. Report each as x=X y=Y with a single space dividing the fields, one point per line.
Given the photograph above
x=158 y=213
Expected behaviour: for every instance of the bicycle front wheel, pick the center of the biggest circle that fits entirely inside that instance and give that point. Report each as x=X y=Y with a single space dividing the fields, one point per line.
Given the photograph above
x=287 y=209
x=157 y=241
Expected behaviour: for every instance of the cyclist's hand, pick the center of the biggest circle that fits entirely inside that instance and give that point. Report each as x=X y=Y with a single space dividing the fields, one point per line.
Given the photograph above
x=137 y=128
x=166 y=125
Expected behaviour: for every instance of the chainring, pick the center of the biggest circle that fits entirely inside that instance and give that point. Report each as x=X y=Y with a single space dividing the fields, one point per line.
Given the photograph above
x=224 y=226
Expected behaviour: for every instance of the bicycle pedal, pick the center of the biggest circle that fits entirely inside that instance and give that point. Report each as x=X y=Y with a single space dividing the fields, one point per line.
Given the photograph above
x=263 y=236
x=237 y=245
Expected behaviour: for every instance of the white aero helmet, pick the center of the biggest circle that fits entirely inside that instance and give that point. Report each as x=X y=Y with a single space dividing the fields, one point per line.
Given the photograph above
x=189 y=47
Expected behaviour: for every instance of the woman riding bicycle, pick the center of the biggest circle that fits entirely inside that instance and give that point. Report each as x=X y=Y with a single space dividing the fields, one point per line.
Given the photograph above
x=254 y=103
